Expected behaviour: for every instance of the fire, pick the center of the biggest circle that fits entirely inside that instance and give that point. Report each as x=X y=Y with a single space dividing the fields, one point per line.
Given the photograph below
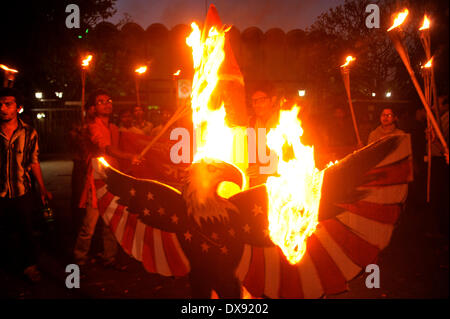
x=213 y=137
x=141 y=69
x=348 y=60
x=426 y=24
x=294 y=195
x=4 y=67
x=428 y=64
x=399 y=19
x=177 y=73
x=103 y=161
x=86 y=61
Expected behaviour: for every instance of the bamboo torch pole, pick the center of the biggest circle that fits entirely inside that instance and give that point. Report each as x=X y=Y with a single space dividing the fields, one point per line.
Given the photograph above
x=345 y=72
x=84 y=67
x=396 y=37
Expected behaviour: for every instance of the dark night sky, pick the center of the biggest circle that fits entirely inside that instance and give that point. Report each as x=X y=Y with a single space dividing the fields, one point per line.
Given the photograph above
x=265 y=14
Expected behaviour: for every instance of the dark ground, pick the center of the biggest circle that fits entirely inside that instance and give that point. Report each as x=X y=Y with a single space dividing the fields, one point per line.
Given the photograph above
x=414 y=265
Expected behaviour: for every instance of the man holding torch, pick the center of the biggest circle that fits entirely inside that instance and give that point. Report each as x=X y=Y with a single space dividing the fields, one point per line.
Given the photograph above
x=103 y=140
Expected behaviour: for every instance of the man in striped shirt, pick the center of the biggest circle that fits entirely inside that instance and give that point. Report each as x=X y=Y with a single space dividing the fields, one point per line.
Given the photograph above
x=18 y=158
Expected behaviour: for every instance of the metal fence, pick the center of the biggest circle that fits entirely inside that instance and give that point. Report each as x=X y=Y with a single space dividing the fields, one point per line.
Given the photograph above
x=53 y=126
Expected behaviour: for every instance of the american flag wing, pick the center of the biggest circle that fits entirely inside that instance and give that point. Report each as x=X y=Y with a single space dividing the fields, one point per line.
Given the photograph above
x=343 y=245
x=144 y=216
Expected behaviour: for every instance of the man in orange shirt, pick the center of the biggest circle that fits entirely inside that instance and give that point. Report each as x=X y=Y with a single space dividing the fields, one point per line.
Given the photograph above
x=104 y=140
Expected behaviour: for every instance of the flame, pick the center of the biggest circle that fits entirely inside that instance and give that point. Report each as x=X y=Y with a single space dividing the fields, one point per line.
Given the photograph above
x=400 y=18
x=103 y=161
x=294 y=195
x=4 y=67
x=348 y=60
x=331 y=163
x=141 y=69
x=428 y=64
x=177 y=73
x=86 y=61
x=426 y=24
x=213 y=137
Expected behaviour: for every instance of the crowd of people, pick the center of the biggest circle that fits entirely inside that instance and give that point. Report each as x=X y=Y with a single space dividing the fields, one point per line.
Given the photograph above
x=97 y=135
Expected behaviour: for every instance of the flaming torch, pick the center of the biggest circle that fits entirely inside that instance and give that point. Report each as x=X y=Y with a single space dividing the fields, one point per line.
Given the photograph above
x=345 y=71
x=426 y=73
x=424 y=32
x=10 y=75
x=395 y=35
x=84 y=66
x=139 y=71
x=175 y=80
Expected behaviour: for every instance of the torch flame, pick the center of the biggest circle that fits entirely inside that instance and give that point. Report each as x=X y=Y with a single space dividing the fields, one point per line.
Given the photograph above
x=141 y=69
x=86 y=61
x=399 y=19
x=103 y=161
x=428 y=64
x=177 y=73
x=348 y=60
x=426 y=24
x=4 y=67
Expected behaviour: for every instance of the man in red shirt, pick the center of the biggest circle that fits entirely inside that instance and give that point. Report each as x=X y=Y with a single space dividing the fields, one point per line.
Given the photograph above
x=103 y=140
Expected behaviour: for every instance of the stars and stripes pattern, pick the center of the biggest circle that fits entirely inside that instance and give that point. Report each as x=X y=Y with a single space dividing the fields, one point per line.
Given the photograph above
x=341 y=247
x=159 y=251
x=337 y=252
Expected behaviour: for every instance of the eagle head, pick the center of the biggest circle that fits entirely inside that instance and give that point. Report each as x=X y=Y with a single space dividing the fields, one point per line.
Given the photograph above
x=200 y=190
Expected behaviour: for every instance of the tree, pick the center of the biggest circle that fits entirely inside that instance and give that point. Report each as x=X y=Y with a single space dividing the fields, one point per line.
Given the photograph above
x=47 y=53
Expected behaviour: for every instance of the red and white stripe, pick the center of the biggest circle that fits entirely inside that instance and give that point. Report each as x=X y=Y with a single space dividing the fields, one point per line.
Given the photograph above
x=340 y=247
x=160 y=252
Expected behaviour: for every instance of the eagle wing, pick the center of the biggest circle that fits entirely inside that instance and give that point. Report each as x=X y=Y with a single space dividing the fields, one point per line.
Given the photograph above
x=144 y=216
x=346 y=239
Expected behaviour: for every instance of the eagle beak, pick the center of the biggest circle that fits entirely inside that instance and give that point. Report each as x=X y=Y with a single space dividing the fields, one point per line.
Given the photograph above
x=231 y=173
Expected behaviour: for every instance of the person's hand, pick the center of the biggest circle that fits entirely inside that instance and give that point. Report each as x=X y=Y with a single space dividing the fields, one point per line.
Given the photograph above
x=45 y=195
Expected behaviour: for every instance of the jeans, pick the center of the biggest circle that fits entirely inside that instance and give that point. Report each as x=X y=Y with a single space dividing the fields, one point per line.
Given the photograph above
x=84 y=238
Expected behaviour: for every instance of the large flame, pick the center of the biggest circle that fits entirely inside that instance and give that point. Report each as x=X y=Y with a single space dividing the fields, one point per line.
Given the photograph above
x=213 y=137
x=294 y=195
x=400 y=18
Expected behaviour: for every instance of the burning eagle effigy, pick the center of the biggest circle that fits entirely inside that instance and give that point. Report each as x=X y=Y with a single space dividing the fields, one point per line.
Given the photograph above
x=303 y=234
